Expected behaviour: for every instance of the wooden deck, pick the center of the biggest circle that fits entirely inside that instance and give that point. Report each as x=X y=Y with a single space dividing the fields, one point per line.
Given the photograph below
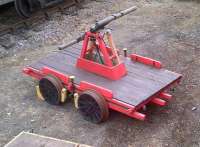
x=25 y=139
x=141 y=83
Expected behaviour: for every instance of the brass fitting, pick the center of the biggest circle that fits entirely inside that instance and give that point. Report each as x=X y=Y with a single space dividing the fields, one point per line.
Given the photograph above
x=125 y=52
x=39 y=95
x=72 y=78
x=76 y=97
x=63 y=95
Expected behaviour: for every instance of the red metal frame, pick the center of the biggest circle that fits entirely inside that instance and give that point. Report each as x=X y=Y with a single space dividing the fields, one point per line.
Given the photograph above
x=107 y=70
x=146 y=60
x=113 y=103
x=37 y=74
x=113 y=73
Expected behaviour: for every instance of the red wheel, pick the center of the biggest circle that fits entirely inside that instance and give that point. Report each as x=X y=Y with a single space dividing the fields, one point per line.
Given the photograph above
x=50 y=88
x=93 y=107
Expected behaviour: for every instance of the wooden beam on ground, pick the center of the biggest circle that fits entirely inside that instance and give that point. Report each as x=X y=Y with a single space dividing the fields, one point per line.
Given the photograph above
x=25 y=139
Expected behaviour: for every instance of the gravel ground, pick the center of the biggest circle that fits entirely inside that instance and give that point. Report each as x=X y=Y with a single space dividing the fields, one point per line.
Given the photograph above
x=166 y=30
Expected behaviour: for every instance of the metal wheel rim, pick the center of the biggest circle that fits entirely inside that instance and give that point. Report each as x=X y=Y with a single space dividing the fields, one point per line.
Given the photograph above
x=23 y=8
x=93 y=107
x=50 y=88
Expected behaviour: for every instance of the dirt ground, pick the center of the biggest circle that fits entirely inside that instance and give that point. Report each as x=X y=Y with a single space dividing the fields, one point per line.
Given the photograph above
x=165 y=30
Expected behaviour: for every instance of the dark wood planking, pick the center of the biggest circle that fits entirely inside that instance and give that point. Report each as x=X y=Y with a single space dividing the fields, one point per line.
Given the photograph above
x=141 y=82
x=59 y=67
x=52 y=59
x=75 y=49
x=112 y=85
x=138 y=69
x=150 y=72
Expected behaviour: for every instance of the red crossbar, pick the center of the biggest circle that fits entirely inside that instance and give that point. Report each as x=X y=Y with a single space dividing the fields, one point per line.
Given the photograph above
x=63 y=77
x=165 y=96
x=33 y=72
x=113 y=73
x=146 y=60
x=133 y=114
x=159 y=101
x=103 y=91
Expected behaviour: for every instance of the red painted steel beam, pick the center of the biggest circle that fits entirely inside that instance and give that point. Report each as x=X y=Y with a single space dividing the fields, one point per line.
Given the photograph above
x=158 y=101
x=49 y=71
x=128 y=112
x=102 y=91
x=138 y=115
x=146 y=60
x=108 y=94
x=122 y=104
x=165 y=96
x=113 y=73
x=37 y=74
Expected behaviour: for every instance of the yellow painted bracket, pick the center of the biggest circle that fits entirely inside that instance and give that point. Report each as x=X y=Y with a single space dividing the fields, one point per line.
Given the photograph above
x=63 y=95
x=76 y=97
x=72 y=78
x=39 y=95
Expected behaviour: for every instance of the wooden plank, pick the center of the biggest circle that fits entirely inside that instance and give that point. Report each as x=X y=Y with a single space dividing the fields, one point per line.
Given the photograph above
x=25 y=139
x=69 y=66
x=160 y=75
x=138 y=69
x=136 y=87
x=141 y=68
x=75 y=49
x=53 y=60
x=69 y=69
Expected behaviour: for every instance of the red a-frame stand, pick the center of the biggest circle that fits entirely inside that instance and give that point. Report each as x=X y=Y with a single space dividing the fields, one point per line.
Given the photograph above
x=109 y=65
